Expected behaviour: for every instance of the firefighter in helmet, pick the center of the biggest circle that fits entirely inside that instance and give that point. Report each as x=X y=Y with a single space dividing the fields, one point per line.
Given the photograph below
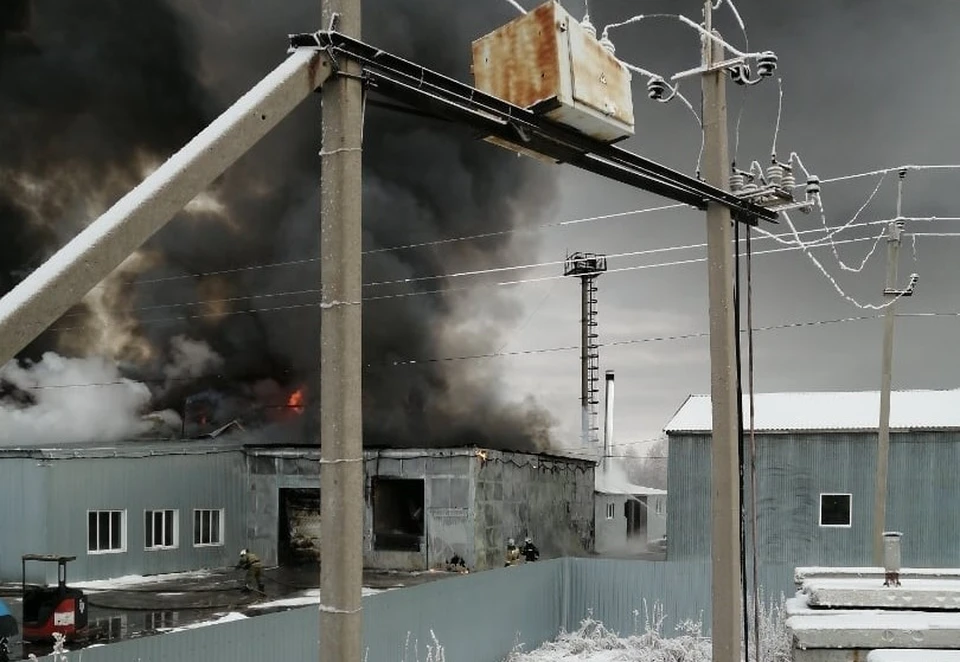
x=529 y=551
x=513 y=553
x=251 y=563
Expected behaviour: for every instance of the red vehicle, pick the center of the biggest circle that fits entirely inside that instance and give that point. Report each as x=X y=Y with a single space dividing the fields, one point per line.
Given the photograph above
x=51 y=609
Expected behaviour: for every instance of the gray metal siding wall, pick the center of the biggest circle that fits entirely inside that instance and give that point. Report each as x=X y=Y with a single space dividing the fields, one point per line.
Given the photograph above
x=135 y=484
x=792 y=471
x=476 y=618
x=24 y=504
x=688 y=498
x=924 y=497
x=519 y=494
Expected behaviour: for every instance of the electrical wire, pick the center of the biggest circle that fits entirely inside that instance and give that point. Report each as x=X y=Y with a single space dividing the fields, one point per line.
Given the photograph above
x=753 y=452
x=401 y=295
x=741 y=519
x=547 y=350
x=516 y=5
x=776 y=130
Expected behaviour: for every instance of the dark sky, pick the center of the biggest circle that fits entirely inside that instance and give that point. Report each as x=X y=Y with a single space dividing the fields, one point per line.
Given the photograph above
x=867 y=85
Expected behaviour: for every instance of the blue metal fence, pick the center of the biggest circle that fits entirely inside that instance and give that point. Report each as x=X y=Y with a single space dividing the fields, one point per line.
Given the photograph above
x=476 y=618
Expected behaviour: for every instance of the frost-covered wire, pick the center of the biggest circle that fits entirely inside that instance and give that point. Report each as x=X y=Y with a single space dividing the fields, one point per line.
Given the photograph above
x=833 y=281
x=870 y=173
x=674 y=92
x=516 y=5
x=776 y=130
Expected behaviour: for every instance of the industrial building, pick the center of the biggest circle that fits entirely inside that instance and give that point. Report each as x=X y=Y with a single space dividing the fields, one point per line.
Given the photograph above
x=157 y=507
x=816 y=462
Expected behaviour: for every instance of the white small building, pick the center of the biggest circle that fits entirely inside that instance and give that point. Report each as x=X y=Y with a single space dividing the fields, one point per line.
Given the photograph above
x=629 y=518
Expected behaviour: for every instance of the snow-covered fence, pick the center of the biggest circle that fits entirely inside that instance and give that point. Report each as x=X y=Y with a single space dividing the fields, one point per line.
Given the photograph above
x=478 y=617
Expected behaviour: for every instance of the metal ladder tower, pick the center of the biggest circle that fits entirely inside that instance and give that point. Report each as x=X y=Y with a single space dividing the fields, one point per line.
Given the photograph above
x=587 y=267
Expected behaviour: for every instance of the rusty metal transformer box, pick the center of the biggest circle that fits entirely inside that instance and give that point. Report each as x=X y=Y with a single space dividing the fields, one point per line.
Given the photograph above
x=547 y=62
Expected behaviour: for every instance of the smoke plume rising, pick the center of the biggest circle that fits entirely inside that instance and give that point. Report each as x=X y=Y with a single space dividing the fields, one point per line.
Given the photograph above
x=86 y=118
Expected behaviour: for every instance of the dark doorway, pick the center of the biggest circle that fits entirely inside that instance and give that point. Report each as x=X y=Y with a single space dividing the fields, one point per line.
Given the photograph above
x=299 y=536
x=635 y=510
x=398 y=514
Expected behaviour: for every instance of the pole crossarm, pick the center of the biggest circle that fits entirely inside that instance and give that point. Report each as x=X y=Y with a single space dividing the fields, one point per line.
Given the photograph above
x=424 y=89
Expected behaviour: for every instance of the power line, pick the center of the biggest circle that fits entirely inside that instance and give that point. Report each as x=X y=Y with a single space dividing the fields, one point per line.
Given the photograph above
x=541 y=350
x=399 y=295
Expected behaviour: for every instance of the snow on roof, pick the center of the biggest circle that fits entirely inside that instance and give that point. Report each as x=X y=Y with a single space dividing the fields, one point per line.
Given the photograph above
x=826 y=410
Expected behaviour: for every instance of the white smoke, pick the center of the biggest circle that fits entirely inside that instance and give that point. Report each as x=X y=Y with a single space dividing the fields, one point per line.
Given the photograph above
x=73 y=400
x=190 y=359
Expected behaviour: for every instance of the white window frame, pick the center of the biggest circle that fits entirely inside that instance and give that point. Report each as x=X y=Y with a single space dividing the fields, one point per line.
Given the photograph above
x=176 y=530
x=658 y=509
x=611 y=510
x=849 y=523
x=123 y=531
x=220 y=532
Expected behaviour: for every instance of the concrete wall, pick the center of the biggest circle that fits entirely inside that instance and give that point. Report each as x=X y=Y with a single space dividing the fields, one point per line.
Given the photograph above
x=519 y=494
x=448 y=499
x=265 y=474
x=183 y=480
x=793 y=469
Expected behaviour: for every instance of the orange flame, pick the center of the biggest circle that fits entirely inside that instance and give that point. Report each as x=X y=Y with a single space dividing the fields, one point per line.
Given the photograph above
x=295 y=401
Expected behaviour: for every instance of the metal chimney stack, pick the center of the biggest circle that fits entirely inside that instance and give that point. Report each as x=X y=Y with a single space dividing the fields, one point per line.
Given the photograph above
x=608 y=418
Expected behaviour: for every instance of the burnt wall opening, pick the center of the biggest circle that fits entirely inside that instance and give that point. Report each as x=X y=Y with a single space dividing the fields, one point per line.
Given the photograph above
x=298 y=540
x=398 y=505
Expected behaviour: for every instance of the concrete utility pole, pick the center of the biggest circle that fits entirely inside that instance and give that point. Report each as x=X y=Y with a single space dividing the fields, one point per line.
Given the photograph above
x=341 y=424
x=723 y=389
x=894 y=236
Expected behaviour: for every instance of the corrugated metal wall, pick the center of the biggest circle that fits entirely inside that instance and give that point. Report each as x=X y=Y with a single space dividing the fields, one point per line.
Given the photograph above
x=793 y=469
x=169 y=481
x=611 y=590
x=23 y=514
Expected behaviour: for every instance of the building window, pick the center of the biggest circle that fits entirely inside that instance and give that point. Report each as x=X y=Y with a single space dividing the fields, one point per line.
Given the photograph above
x=611 y=510
x=111 y=628
x=154 y=621
x=160 y=529
x=106 y=531
x=207 y=528
x=659 y=507
x=835 y=509
x=397 y=514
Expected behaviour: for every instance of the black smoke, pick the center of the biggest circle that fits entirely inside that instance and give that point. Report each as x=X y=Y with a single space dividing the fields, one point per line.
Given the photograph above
x=106 y=89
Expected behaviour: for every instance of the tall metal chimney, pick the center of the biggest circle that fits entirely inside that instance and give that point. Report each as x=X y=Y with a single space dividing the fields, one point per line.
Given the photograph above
x=607 y=418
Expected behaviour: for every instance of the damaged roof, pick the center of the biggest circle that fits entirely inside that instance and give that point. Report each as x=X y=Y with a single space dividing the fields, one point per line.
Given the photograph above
x=856 y=411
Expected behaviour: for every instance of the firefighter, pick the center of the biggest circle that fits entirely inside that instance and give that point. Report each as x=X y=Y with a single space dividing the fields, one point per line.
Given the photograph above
x=251 y=563
x=513 y=553
x=529 y=551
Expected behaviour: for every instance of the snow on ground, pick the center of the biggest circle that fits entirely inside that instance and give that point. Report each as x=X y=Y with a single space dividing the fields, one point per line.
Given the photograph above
x=308 y=597
x=226 y=618
x=127 y=581
x=593 y=642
